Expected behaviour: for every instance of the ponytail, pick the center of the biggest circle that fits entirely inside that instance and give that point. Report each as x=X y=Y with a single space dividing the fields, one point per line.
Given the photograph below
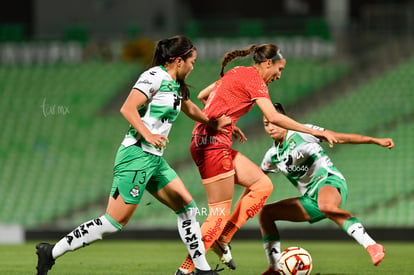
x=261 y=54
x=230 y=56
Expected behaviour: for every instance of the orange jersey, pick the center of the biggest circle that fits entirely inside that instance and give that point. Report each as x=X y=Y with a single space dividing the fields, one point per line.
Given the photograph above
x=233 y=95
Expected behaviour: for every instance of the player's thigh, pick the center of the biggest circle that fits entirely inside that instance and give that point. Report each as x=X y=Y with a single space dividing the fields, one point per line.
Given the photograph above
x=332 y=191
x=168 y=188
x=247 y=172
x=174 y=194
x=220 y=190
x=288 y=210
x=329 y=195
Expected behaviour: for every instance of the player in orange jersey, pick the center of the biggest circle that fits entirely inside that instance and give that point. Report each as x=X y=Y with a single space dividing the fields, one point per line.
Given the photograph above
x=220 y=166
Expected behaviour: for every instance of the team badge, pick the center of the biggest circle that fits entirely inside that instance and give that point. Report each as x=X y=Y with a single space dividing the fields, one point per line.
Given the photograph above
x=292 y=144
x=134 y=191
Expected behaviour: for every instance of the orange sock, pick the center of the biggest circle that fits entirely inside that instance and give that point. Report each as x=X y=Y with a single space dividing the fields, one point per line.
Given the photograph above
x=188 y=264
x=217 y=218
x=248 y=206
x=211 y=229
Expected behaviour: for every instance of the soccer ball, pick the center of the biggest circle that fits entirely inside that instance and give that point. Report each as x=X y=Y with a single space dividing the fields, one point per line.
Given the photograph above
x=295 y=261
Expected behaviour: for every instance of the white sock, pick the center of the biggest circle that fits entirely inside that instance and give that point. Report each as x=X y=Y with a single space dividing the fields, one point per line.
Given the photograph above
x=85 y=234
x=272 y=251
x=190 y=233
x=357 y=231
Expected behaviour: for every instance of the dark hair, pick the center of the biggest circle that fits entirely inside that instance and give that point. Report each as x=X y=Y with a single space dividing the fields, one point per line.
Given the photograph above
x=279 y=108
x=261 y=54
x=167 y=50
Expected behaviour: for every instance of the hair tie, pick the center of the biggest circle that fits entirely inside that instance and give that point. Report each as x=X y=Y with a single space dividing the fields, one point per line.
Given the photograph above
x=185 y=53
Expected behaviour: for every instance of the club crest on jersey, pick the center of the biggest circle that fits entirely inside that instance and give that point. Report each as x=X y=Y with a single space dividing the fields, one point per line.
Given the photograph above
x=292 y=144
x=134 y=191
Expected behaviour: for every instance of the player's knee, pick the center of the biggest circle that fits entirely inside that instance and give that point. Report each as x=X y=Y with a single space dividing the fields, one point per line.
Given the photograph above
x=189 y=211
x=328 y=210
x=263 y=185
x=268 y=186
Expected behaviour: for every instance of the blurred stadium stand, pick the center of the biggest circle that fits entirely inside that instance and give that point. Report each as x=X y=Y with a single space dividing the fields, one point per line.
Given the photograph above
x=60 y=100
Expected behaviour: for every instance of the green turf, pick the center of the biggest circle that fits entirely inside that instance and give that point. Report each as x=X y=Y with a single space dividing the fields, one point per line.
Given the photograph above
x=163 y=257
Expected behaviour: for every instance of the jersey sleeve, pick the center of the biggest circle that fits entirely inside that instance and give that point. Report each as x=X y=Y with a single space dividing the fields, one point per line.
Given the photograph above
x=148 y=83
x=256 y=87
x=267 y=163
x=311 y=138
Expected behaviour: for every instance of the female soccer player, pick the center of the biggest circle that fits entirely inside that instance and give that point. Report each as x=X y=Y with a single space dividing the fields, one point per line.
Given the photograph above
x=219 y=165
x=324 y=191
x=151 y=107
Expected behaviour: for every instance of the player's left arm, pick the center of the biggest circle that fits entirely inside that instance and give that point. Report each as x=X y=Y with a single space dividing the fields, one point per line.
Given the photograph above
x=361 y=139
x=204 y=94
x=193 y=111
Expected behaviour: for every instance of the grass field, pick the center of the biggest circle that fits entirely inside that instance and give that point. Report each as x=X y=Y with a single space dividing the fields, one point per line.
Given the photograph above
x=163 y=257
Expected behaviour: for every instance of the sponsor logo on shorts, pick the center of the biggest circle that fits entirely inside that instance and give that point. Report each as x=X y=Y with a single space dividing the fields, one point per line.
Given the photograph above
x=226 y=163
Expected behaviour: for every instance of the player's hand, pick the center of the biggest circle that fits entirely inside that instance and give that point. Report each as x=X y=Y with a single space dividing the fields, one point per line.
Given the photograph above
x=239 y=135
x=158 y=141
x=223 y=122
x=385 y=142
x=325 y=136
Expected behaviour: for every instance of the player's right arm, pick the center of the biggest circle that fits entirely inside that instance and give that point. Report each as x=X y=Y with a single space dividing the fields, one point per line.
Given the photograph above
x=361 y=139
x=130 y=111
x=286 y=122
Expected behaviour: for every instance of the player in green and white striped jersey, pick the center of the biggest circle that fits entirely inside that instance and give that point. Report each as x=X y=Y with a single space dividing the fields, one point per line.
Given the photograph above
x=304 y=162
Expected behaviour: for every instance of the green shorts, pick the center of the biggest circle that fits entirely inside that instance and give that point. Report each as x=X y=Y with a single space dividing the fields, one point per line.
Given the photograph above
x=136 y=170
x=310 y=201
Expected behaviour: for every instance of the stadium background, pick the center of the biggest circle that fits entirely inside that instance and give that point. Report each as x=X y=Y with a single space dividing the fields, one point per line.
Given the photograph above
x=66 y=67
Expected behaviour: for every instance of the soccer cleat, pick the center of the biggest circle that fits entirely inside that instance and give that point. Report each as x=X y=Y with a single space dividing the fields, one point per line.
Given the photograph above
x=222 y=249
x=208 y=272
x=198 y=272
x=271 y=271
x=376 y=251
x=205 y=272
x=45 y=260
x=182 y=272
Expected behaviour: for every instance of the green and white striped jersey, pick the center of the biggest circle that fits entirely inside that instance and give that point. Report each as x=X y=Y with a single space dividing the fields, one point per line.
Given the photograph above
x=160 y=110
x=301 y=159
